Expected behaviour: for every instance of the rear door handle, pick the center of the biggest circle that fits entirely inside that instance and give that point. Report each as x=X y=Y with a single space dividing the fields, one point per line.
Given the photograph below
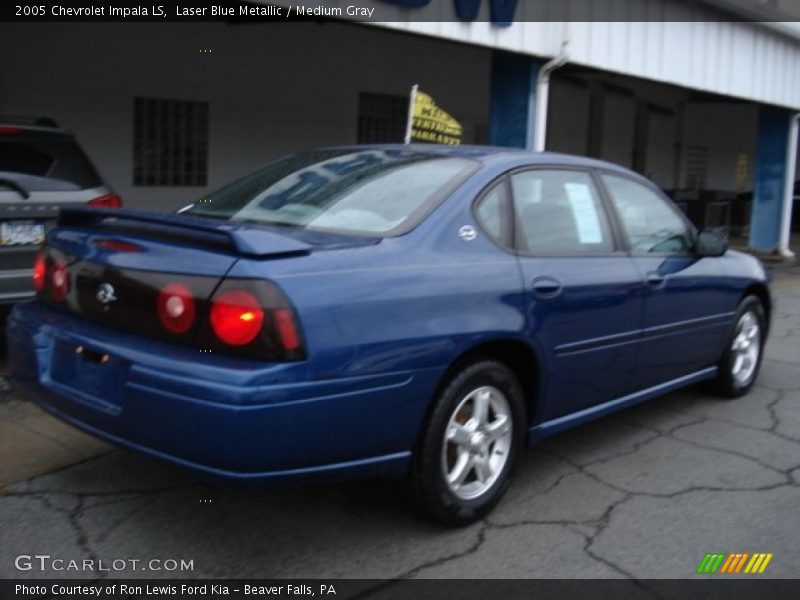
x=655 y=279
x=547 y=287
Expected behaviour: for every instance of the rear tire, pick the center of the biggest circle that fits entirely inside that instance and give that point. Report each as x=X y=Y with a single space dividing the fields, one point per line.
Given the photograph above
x=465 y=455
x=744 y=349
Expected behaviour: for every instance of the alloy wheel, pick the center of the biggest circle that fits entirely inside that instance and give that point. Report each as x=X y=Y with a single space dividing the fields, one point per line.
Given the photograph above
x=477 y=442
x=745 y=348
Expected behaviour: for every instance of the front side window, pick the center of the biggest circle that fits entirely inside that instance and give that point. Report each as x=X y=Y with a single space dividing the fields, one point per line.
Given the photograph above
x=559 y=212
x=370 y=192
x=650 y=224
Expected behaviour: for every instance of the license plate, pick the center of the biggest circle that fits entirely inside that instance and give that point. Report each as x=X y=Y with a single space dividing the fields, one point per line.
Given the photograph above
x=21 y=233
x=95 y=378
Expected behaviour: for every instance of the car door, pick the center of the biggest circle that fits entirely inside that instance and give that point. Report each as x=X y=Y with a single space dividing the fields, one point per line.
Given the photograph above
x=583 y=293
x=685 y=317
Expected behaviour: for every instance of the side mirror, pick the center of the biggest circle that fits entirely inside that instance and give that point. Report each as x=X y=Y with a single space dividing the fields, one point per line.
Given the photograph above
x=710 y=243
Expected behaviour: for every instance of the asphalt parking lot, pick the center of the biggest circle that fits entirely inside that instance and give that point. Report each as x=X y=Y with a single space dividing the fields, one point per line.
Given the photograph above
x=644 y=493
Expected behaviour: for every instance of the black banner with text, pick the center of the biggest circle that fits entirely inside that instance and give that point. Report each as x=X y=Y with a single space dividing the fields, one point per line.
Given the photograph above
x=712 y=588
x=499 y=13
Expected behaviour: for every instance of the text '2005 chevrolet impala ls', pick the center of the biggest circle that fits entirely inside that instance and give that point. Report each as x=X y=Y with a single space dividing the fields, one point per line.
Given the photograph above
x=415 y=312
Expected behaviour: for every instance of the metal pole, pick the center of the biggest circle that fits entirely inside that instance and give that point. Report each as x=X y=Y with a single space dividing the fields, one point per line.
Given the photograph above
x=788 y=191
x=410 y=121
x=542 y=94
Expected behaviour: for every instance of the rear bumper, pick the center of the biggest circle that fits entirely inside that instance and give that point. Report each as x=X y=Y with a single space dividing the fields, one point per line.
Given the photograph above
x=221 y=416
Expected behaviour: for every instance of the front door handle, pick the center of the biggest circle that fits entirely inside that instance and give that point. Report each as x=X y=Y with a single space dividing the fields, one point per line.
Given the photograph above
x=656 y=280
x=547 y=287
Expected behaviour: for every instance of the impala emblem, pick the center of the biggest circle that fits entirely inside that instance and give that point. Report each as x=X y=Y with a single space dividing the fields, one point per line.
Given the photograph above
x=105 y=293
x=467 y=233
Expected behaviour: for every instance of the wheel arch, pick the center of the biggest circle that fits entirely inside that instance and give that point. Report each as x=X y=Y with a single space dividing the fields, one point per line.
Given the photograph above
x=520 y=357
x=760 y=291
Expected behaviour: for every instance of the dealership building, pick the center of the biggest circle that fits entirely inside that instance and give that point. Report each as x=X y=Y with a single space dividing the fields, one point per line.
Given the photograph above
x=702 y=97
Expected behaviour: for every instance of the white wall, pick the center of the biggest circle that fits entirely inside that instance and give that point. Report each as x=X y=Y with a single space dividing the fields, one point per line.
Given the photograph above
x=271 y=88
x=670 y=41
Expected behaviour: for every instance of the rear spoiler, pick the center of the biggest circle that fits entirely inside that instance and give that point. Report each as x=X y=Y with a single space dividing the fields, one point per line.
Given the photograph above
x=239 y=239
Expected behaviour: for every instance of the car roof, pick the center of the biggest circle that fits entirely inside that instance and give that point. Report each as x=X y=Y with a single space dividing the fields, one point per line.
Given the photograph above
x=498 y=156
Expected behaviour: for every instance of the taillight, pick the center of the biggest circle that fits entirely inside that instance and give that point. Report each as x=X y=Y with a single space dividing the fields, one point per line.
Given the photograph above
x=39 y=271
x=175 y=308
x=107 y=201
x=59 y=280
x=251 y=318
x=236 y=317
x=6 y=130
x=287 y=331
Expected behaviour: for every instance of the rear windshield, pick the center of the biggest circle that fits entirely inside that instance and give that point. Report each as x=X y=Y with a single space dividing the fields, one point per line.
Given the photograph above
x=371 y=192
x=47 y=157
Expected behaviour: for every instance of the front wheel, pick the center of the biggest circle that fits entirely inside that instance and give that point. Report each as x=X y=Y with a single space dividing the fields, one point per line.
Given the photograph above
x=463 y=461
x=741 y=361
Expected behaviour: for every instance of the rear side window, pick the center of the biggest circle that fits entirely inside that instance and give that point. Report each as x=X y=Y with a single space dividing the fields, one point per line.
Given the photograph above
x=47 y=157
x=651 y=225
x=559 y=212
x=492 y=213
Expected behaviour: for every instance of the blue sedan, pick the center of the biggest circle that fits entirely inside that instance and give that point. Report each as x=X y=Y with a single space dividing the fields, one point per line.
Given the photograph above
x=415 y=312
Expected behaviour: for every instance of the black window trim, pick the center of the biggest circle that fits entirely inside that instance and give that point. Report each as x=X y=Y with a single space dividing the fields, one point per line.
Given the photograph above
x=646 y=183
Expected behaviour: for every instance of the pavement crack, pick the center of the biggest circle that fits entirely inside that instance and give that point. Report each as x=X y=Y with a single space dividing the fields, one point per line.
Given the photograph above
x=788 y=482
x=771 y=406
x=670 y=433
x=74 y=517
x=602 y=525
x=480 y=539
x=773 y=414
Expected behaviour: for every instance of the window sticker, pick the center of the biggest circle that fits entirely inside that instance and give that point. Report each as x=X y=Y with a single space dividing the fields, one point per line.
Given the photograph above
x=585 y=213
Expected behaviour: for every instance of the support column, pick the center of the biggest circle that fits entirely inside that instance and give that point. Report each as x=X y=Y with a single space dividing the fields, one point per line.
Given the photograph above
x=513 y=99
x=770 y=178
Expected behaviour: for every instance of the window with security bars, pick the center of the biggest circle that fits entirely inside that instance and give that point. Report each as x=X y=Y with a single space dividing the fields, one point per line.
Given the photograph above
x=170 y=142
x=381 y=118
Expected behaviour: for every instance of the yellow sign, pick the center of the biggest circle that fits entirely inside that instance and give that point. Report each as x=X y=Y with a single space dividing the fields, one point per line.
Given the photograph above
x=429 y=123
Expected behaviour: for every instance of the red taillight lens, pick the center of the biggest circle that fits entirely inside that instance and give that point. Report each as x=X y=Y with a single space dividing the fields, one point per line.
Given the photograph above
x=6 y=130
x=59 y=281
x=176 y=308
x=236 y=317
x=107 y=201
x=117 y=246
x=251 y=318
x=287 y=332
x=39 y=271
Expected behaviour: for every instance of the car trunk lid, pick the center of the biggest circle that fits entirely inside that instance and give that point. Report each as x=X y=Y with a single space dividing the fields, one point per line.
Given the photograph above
x=117 y=264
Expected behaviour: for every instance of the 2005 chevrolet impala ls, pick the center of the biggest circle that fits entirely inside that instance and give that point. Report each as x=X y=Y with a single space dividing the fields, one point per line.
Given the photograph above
x=404 y=311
